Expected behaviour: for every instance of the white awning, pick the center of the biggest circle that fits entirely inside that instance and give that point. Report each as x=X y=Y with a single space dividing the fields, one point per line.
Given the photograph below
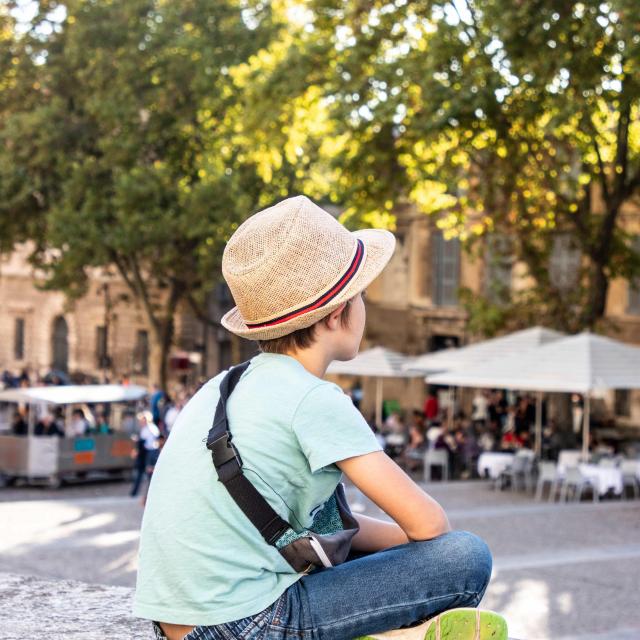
x=74 y=394
x=479 y=353
x=581 y=363
x=377 y=362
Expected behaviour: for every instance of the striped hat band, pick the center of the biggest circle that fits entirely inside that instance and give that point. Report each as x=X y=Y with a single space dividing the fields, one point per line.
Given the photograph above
x=323 y=299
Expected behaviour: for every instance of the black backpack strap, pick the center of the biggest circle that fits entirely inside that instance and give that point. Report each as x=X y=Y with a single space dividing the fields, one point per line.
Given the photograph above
x=228 y=464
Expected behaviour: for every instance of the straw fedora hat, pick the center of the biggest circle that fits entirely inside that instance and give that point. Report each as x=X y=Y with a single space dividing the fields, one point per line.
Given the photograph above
x=293 y=263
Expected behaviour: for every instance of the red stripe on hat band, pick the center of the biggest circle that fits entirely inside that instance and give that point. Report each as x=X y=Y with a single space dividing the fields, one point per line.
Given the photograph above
x=322 y=300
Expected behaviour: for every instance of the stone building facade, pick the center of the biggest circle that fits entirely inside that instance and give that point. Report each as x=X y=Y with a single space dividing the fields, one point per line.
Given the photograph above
x=104 y=335
x=412 y=307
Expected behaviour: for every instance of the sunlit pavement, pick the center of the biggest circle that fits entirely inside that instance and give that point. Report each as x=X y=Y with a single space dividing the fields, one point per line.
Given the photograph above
x=561 y=572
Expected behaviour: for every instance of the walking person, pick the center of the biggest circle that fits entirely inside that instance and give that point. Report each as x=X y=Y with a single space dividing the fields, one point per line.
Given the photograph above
x=246 y=532
x=480 y=409
x=147 y=441
x=431 y=407
x=151 y=461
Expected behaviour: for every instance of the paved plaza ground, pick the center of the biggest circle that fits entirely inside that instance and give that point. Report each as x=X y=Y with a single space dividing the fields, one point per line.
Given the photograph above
x=560 y=571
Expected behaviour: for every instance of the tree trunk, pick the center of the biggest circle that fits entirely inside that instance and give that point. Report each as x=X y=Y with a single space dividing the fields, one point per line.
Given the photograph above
x=159 y=354
x=162 y=330
x=157 y=364
x=597 y=298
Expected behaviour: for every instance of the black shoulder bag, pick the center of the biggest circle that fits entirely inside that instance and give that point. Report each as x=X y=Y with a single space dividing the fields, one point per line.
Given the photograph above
x=309 y=550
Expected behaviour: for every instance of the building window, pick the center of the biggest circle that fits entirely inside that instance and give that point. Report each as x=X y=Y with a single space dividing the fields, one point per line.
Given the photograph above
x=18 y=339
x=564 y=266
x=633 y=301
x=141 y=353
x=446 y=270
x=622 y=403
x=60 y=345
x=498 y=268
x=102 y=355
x=440 y=342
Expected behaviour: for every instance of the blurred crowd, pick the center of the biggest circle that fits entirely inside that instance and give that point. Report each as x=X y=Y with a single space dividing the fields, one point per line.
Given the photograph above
x=90 y=419
x=495 y=422
x=147 y=422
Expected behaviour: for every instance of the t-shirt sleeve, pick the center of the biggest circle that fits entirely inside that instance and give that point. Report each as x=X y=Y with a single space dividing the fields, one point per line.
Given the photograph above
x=329 y=428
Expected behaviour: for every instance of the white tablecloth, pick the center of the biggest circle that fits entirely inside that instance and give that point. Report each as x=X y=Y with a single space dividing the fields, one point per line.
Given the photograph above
x=395 y=439
x=603 y=478
x=494 y=463
x=569 y=458
x=632 y=466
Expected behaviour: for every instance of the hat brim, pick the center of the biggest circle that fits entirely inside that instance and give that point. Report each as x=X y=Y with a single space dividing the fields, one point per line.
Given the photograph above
x=379 y=246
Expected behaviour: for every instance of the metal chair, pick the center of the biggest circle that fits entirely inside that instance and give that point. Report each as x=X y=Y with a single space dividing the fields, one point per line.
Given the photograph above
x=629 y=470
x=577 y=482
x=547 y=473
x=436 y=458
x=520 y=469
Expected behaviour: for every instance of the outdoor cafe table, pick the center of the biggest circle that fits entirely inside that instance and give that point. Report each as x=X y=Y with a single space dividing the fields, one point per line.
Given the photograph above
x=604 y=479
x=632 y=466
x=493 y=463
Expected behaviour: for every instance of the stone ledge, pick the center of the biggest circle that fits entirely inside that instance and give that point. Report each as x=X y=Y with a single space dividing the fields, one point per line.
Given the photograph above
x=34 y=607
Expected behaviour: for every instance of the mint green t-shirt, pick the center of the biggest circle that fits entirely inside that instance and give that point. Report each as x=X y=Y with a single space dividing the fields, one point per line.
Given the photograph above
x=201 y=562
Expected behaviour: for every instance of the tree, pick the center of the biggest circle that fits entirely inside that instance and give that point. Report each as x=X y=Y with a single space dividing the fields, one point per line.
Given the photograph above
x=22 y=201
x=122 y=148
x=498 y=117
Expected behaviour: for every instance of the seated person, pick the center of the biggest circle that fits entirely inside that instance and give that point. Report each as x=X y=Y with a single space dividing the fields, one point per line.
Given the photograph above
x=446 y=440
x=79 y=424
x=510 y=441
x=414 y=451
x=19 y=425
x=46 y=426
x=102 y=426
x=204 y=569
x=467 y=452
x=433 y=433
x=487 y=438
x=395 y=435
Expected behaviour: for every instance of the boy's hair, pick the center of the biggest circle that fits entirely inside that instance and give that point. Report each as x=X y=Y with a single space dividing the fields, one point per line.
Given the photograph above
x=302 y=338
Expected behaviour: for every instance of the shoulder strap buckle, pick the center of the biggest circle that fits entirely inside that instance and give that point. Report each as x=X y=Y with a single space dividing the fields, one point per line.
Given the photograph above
x=223 y=450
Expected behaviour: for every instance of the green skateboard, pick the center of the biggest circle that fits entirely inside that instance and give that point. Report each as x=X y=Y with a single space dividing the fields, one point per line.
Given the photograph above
x=455 y=624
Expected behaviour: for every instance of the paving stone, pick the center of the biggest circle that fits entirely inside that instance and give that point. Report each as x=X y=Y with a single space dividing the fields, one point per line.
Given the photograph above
x=561 y=572
x=33 y=607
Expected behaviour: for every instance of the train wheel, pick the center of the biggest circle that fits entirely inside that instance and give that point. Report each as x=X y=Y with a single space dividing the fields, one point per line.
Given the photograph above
x=54 y=481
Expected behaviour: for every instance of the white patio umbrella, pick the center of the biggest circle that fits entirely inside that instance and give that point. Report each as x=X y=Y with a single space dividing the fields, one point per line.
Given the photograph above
x=378 y=363
x=74 y=394
x=479 y=353
x=582 y=363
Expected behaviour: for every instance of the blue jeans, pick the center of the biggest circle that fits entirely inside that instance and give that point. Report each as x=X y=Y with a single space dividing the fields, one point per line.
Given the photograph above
x=139 y=472
x=386 y=590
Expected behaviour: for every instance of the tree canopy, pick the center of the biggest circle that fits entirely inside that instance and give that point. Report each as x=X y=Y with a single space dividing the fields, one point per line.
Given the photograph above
x=116 y=145
x=518 y=119
x=139 y=134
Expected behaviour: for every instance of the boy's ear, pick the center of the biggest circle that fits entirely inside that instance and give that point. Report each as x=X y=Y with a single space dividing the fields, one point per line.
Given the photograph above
x=333 y=319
